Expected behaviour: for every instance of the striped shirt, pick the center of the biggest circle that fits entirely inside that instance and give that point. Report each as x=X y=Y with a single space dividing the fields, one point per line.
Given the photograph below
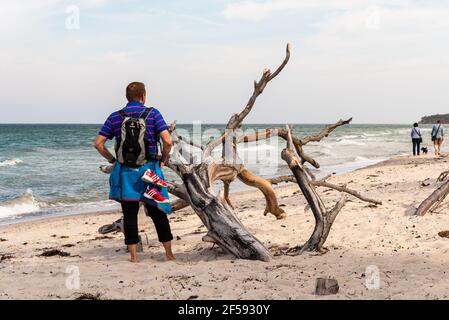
x=155 y=125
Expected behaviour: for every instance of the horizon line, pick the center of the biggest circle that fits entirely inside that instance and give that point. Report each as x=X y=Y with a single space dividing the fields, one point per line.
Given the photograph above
x=207 y=123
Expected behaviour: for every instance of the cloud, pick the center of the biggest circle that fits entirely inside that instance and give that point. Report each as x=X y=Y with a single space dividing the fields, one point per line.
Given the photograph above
x=20 y=17
x=379 y=61
x=258 y=10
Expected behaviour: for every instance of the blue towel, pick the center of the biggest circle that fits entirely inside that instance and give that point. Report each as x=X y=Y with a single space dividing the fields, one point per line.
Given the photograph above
x=126 y=184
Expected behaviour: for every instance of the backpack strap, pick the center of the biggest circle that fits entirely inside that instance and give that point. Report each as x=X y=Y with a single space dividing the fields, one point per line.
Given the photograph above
x=145 y=113
x=418 y=133
x=122 y=113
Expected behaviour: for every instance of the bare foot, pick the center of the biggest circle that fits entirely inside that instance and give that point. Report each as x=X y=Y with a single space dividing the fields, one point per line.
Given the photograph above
x=134 y=259
x=170 y=257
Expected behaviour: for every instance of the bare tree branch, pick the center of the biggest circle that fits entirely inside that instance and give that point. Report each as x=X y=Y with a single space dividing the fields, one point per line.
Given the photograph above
x=236 y=120
x=325 y=132
x=280 y=179
x=323 y=183
x=272 y=205
x=323 y=217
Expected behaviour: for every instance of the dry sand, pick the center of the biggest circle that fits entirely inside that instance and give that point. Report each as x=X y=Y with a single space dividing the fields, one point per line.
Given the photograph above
x=411 y=258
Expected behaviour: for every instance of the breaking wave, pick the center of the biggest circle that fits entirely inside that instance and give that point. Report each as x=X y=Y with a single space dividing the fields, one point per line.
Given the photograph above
x=24 y=204
x=10 y=163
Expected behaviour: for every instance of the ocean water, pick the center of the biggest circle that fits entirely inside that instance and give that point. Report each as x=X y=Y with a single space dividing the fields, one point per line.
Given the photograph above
x=50 y=170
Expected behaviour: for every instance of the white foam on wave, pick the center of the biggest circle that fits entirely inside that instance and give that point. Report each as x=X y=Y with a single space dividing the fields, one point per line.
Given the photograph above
x=350 y=136
x=21 y=205
x=362 y=159
x=347 y=142
x=26 y=207
x=10 y=163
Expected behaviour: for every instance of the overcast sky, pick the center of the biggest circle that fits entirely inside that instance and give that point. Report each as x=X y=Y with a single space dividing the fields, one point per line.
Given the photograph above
x=378 y=61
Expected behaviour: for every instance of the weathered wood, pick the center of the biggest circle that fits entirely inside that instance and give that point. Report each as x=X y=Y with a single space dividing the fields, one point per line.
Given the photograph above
x=297 y=142
x=324 y=183
x=324 y=286
x=179 y=204
x=227 y=189
x=277 y=180
x=236 y=120
x=323 y=218
x=325 y=132
x=216 y=211
x=434 y=199
x=266 y=188
x=443 y=176
x=219 y=218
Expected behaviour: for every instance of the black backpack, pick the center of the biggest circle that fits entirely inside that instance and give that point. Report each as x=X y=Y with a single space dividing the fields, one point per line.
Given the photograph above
x=132 y=150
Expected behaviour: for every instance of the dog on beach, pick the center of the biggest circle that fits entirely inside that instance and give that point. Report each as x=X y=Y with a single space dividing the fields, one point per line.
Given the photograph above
x=424 y=150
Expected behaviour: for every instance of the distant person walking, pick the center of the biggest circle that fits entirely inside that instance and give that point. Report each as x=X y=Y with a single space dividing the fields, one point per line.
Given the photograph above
x=437 y=137
x=416 y=139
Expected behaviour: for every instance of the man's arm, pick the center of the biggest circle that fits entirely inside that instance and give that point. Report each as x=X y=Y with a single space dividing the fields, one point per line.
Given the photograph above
x=166 y=146
x=100 y=142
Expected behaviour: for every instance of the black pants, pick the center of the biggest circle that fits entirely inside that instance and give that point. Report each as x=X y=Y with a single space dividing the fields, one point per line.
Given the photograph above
x=130 y=211
x=416 y=144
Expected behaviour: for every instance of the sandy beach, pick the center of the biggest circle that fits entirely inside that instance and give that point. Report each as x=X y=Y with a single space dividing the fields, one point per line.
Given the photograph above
x=407 y=251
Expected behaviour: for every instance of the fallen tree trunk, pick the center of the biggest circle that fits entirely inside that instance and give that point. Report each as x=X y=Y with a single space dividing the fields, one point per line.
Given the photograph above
x=219 y=218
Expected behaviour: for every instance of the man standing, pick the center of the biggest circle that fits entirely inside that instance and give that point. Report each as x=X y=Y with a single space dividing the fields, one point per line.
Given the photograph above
x=437 y=137
x=137 y=129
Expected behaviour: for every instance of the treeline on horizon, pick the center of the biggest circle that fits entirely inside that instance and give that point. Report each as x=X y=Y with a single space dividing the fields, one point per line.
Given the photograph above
x=444 y=118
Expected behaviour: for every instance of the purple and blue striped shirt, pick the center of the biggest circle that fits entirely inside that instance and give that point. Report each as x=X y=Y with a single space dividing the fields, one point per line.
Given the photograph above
x=155 y=124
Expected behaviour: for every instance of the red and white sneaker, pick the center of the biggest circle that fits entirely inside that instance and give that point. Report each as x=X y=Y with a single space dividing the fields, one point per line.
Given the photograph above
x=153 y=194
x=150 y=177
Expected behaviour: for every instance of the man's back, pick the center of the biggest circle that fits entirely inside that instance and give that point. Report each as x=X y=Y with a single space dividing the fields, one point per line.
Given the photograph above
x=155 y=124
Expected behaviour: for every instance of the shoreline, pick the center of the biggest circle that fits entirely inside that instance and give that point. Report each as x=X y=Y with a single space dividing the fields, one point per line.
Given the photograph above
x=410 y=257
x=35 y=216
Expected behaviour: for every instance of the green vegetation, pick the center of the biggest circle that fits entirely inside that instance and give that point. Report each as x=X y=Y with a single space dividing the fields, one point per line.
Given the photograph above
x=444 y=118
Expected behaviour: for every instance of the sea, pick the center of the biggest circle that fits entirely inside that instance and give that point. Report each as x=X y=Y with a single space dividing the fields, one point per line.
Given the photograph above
x=49 y=170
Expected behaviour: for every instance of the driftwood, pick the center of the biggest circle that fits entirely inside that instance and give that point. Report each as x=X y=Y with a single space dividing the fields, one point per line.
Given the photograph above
x=296 y=159
x=323 y=218
x=324 y=286
x=325 y=184
x=215 y=208
x=433 y=202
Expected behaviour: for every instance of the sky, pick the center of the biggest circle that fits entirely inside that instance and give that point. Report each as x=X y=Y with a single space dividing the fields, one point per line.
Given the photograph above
x=378 y=61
